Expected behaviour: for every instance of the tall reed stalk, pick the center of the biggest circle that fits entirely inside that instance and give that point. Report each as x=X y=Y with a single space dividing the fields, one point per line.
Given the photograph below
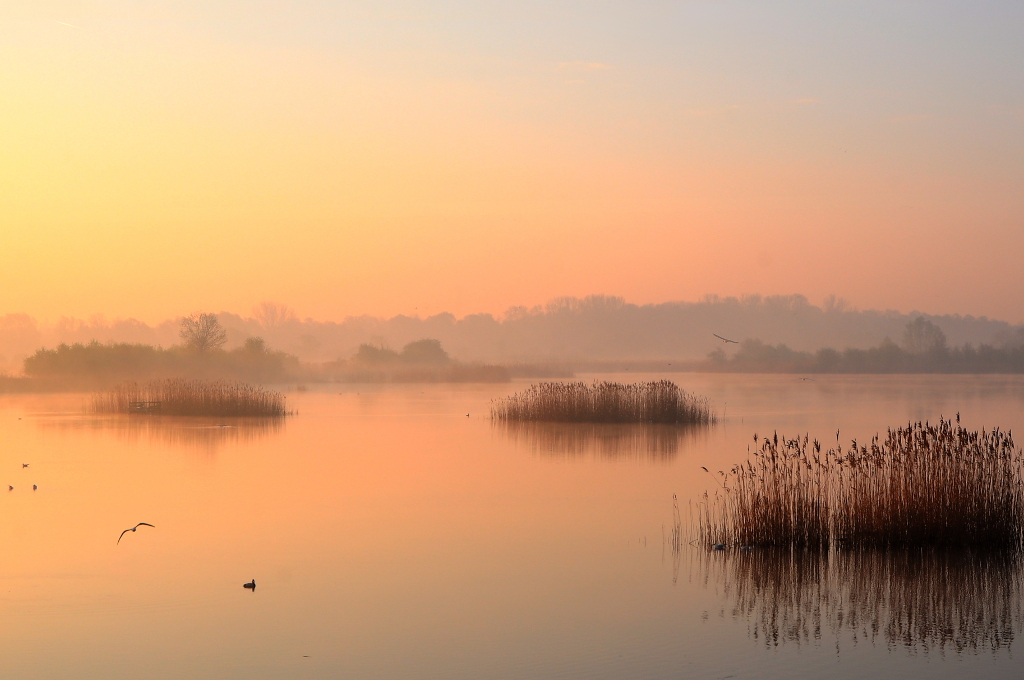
x=181 y=397
x=923 y=485
x=604 y=402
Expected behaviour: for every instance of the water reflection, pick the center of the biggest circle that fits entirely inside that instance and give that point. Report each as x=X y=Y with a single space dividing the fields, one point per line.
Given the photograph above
x=921 y=600
x=572 y=440
x=200 y=433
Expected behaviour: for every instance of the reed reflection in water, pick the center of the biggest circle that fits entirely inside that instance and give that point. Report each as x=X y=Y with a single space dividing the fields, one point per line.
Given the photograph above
x=601 y=440
x=932 y=600
x=182 y=431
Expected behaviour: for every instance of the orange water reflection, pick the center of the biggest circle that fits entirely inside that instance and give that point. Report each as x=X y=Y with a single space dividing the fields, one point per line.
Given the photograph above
x=392 y=536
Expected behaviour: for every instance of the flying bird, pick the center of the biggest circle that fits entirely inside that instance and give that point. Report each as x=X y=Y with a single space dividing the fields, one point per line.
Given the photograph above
x=24 y=465
x=251 y=586
x=140 y=524
x=726 y=340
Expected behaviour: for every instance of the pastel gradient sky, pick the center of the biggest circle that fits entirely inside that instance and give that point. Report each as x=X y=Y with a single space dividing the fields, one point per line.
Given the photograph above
x=416 y=157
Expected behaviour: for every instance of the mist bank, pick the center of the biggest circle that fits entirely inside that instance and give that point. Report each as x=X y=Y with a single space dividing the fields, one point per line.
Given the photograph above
x=581 y=331
x=101 y=366
x=923 y=348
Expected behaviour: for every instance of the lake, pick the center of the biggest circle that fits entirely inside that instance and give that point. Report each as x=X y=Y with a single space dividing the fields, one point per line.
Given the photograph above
x=393 y=536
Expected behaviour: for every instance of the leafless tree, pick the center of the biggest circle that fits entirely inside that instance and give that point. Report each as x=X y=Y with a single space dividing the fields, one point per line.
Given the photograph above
x=922 y=336
x=271 y=315
x=202 y=332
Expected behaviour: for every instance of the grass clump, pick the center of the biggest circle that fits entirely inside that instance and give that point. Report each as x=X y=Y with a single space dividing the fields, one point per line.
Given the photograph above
x=924 y=485
x=604 y=402
x=180 y=397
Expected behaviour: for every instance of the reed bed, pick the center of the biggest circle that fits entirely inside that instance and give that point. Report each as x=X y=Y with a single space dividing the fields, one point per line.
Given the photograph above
x=923 y=485
x=179 y=397
x=604 y=402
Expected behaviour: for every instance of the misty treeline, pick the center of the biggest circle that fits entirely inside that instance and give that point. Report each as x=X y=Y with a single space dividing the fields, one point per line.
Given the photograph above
x=594 y=328
x=419 y=361
x=201 y=355
x=923 y=348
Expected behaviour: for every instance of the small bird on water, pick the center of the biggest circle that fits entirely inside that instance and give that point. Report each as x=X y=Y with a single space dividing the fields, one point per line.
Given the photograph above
x=24 y=465
x=34 y=487
x=251 y=586
x=10 y=488
x=140 y=524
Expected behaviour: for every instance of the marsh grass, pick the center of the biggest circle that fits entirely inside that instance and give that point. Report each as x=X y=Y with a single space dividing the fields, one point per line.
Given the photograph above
x=923 y=485
x=179 y=397
x=604 y=402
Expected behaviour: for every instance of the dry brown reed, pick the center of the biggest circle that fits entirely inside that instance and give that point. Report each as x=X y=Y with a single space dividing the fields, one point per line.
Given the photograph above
x=918 y=599
x=924 y=485
x=179 y=397
x=605 y=402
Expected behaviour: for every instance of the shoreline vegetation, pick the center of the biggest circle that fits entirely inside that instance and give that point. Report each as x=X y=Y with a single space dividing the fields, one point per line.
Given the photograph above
x=604 y=402
x=921 y=486
x=923 y=349
x=202 y=357
x=178 y=397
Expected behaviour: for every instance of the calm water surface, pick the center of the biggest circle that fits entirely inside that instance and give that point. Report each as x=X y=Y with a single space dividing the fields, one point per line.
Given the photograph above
x=392 y=536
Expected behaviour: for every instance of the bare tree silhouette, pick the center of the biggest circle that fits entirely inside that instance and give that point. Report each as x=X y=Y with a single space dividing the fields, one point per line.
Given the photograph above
x=271 y=315
x=202 y=332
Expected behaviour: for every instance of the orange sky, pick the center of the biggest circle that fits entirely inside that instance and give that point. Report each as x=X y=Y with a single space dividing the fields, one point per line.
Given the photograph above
x=440 y=157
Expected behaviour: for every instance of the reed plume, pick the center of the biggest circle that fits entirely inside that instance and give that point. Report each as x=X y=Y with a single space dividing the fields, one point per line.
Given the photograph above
x=923 y=485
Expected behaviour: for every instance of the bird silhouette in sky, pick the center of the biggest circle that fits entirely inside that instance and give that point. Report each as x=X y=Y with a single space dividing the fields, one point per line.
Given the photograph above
x=726 y=340
x=140 y=524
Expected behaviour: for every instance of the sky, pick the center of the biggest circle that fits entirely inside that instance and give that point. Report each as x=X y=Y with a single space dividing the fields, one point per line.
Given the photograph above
x=384 y=158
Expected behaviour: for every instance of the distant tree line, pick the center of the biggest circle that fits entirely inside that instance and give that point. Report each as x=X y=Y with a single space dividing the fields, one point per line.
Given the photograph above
x=592 y=329
x=201 y=355
x=419 y=361
x=923 y=350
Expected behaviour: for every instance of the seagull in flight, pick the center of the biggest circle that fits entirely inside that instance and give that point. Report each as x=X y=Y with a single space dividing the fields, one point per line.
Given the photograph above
x=726 y=340
x=140 y=524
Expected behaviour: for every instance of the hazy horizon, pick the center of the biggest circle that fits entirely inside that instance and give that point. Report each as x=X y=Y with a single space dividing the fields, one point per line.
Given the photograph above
x=597 y=328
x=459 y=157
